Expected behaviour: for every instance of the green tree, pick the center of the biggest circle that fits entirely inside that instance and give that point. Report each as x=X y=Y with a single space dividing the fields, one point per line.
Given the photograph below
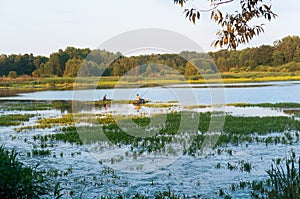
x=118 y=70
x=53 y=66
x=90 y=68
x=148 y=70
x=245 y=57
x=263 y=55
x=296 y=57
x=72 y=67
x=190 y=70
x=3 y=59
x=278 y=58
x=221 y=63
x=288 y=46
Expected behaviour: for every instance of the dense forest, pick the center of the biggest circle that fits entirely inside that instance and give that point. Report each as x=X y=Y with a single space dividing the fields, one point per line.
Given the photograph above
x=283 y=56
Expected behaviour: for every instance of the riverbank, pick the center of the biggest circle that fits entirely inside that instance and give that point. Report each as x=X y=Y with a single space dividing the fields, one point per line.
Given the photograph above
x=13 y=86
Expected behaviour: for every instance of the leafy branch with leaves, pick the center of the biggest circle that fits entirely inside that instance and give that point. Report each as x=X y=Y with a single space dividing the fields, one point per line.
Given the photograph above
x=236 y=27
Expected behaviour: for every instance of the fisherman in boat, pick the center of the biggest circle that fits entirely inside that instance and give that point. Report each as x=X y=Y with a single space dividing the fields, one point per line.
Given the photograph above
x=137 y=97
x=105 y=104
x=105 y=97
x=139 y=100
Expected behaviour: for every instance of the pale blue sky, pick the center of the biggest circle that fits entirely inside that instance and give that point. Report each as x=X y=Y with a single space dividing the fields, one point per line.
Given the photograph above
x=44 y=26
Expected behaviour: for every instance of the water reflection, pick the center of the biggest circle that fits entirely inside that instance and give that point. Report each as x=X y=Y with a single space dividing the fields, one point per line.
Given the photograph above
x=137 y=108
x=105 y=106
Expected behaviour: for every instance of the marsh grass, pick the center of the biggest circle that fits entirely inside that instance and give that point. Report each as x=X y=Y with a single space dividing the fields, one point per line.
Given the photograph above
x=17 y=85
x=15 y=106
x=160 y=105
x=196 y=106
x=14 y=119
x=267 y=105
x=68 y=134
x=285 y=181
x=236 y=130
x=241 y=165
x=40 y=152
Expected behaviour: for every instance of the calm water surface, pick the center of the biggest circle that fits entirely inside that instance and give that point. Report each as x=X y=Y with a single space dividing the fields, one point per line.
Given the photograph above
x=271 y=92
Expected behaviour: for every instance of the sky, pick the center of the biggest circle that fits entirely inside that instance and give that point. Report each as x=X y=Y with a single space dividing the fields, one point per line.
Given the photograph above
x=44 y=26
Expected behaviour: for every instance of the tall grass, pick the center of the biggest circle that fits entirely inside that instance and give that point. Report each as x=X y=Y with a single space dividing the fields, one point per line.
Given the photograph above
x=283 y=181
x=17 y=180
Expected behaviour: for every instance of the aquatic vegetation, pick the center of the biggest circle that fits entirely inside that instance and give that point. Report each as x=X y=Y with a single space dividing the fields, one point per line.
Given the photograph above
x=66 y=136
x=236 y=130
x=218 y=165
x=106 y=128
x=32 y=105
x=167 y=194
x=259 y=125
x=66 y=119
x=267 y=105
x=196 y=106
x=160 y=105
x=296 y=113
x=25 y=106
x=14 y=119
x=283 y=180
x=37 y=152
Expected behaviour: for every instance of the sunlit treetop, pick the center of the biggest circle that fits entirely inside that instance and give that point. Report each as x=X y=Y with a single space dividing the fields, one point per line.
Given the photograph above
x=238 y=26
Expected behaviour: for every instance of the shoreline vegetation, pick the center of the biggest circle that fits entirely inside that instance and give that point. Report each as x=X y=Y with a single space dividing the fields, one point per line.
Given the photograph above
x=13 y=86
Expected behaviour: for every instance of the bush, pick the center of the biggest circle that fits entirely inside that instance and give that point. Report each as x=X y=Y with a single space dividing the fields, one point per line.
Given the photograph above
x=17 y=180
x=12 y=74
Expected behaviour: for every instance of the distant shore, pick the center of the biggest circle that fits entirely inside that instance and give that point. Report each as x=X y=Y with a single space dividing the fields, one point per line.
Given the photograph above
x=12 y=86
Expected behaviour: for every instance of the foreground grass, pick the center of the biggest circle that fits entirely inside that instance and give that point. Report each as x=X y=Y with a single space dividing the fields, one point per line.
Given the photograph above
x=20 y=181
x=283 y=180
x=17 y=180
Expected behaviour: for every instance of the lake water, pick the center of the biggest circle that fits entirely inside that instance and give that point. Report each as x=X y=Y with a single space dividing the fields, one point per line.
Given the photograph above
x=272 y=92
x=185 y=175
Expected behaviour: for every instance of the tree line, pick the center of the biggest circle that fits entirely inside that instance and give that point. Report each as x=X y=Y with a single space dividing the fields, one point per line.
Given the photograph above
x=282 y=56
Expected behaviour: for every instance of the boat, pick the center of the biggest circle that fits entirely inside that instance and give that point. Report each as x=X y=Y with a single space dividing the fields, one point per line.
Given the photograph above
x=139 y=102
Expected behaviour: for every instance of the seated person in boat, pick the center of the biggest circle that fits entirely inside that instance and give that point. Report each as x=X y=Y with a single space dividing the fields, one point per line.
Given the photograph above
x=105 y=97
x=139 y=100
